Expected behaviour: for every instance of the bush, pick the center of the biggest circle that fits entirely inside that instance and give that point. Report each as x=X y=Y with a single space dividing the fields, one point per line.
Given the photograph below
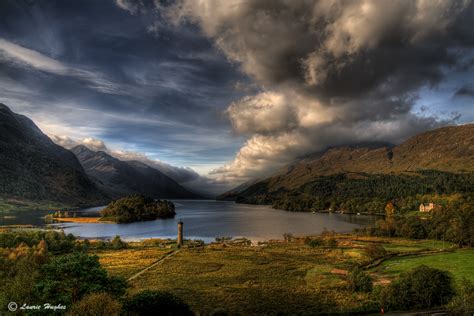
x=422 y=287
x=219 y=312
x=375 y=251
x=360 y=281
x=331 y=242
x=19 y=271
x=156 y=303
x=288 y=237
x=96 y=304
x=68 y=278
x=314 y=242
x=463 y=302
x=117 y=243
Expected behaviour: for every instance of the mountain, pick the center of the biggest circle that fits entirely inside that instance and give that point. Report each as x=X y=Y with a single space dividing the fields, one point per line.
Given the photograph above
x=235 y=192
x=35 y=170
x=120 y=178
x=438 y=161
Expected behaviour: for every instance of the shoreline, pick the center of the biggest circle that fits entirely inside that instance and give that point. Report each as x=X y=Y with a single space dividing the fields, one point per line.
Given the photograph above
x=83 y=220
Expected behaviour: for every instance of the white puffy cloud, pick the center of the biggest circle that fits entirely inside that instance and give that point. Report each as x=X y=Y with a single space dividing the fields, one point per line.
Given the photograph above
x=94 y=144
x=330 y=72
x=265 y=112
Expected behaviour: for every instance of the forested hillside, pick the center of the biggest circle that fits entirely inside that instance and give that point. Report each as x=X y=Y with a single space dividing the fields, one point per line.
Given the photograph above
x=432 y=165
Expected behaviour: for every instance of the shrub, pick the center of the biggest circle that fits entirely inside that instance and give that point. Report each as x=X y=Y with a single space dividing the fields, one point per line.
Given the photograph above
x=314 y=242
x=68 y=278
x=422 y=287
x=331 y=242
x=117 y=243
x=375 y=251
x=219 y=312
x=96 y=304
x=463 y=302
x=156 y=303
x=86 y=244
x=18 y=274
x=288 y=237
x=360 y=281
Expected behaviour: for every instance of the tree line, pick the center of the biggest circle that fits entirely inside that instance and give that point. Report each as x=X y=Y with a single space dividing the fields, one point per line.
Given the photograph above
x=362 y=192
x=452 y=222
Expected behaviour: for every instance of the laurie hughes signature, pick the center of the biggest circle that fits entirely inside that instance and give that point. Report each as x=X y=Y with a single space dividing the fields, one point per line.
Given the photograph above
x=12 y=306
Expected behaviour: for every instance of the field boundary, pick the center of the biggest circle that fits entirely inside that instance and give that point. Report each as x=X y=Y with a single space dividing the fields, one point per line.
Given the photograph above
x=154 y=264
x=378 y=262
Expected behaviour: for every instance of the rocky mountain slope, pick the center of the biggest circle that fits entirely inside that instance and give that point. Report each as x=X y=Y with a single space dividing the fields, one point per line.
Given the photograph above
x=34 y=169
x=120 y=178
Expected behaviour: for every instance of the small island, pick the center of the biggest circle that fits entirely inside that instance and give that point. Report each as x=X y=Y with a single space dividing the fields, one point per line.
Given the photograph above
x=137 y=208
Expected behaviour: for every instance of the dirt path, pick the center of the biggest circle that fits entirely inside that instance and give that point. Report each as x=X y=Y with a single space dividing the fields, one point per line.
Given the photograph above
x=154 y=264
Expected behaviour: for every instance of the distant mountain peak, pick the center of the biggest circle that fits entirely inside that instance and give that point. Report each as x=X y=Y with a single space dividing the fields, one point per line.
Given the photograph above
x=119 y=178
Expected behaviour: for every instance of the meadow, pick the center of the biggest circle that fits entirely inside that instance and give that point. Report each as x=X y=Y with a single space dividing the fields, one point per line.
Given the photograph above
x=460 y=263
x=290 y=277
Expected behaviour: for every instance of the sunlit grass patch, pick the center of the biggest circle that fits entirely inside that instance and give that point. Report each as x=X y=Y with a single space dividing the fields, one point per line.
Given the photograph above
x=323 y=276
x=459 y=263
x=241 y=279
x=126 y=262
x=416 y=245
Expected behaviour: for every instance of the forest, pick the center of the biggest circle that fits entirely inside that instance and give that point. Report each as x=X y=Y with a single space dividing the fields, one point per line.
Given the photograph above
x=365 y=193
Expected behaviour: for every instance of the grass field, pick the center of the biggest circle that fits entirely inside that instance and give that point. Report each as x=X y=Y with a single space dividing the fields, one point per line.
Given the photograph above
x=248 y=280
x=290 y=277
x=126 y=262
x=460 y=263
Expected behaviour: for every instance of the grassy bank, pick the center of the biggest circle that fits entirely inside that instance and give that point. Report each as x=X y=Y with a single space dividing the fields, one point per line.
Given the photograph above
x=11 y=205
x=459 y=263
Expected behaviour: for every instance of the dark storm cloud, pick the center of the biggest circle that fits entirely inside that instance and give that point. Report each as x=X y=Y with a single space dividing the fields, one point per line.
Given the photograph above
x=465 y=91
x=110 y=70
x=331 y=71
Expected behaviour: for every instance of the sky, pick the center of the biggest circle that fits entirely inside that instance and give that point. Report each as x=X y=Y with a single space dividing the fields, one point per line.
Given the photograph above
x=215 y=93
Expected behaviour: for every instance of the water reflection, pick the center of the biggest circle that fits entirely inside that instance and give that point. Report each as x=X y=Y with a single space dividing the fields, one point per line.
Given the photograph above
x=207 y=220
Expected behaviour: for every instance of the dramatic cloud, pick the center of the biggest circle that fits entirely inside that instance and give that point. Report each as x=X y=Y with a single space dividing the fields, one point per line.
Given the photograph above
x=330 y=72
x=266 y=112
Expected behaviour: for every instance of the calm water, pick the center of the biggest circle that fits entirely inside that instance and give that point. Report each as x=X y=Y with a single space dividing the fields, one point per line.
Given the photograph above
x=207 y=220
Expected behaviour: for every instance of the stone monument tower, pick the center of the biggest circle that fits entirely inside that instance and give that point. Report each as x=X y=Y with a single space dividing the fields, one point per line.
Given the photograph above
x=180 y=233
